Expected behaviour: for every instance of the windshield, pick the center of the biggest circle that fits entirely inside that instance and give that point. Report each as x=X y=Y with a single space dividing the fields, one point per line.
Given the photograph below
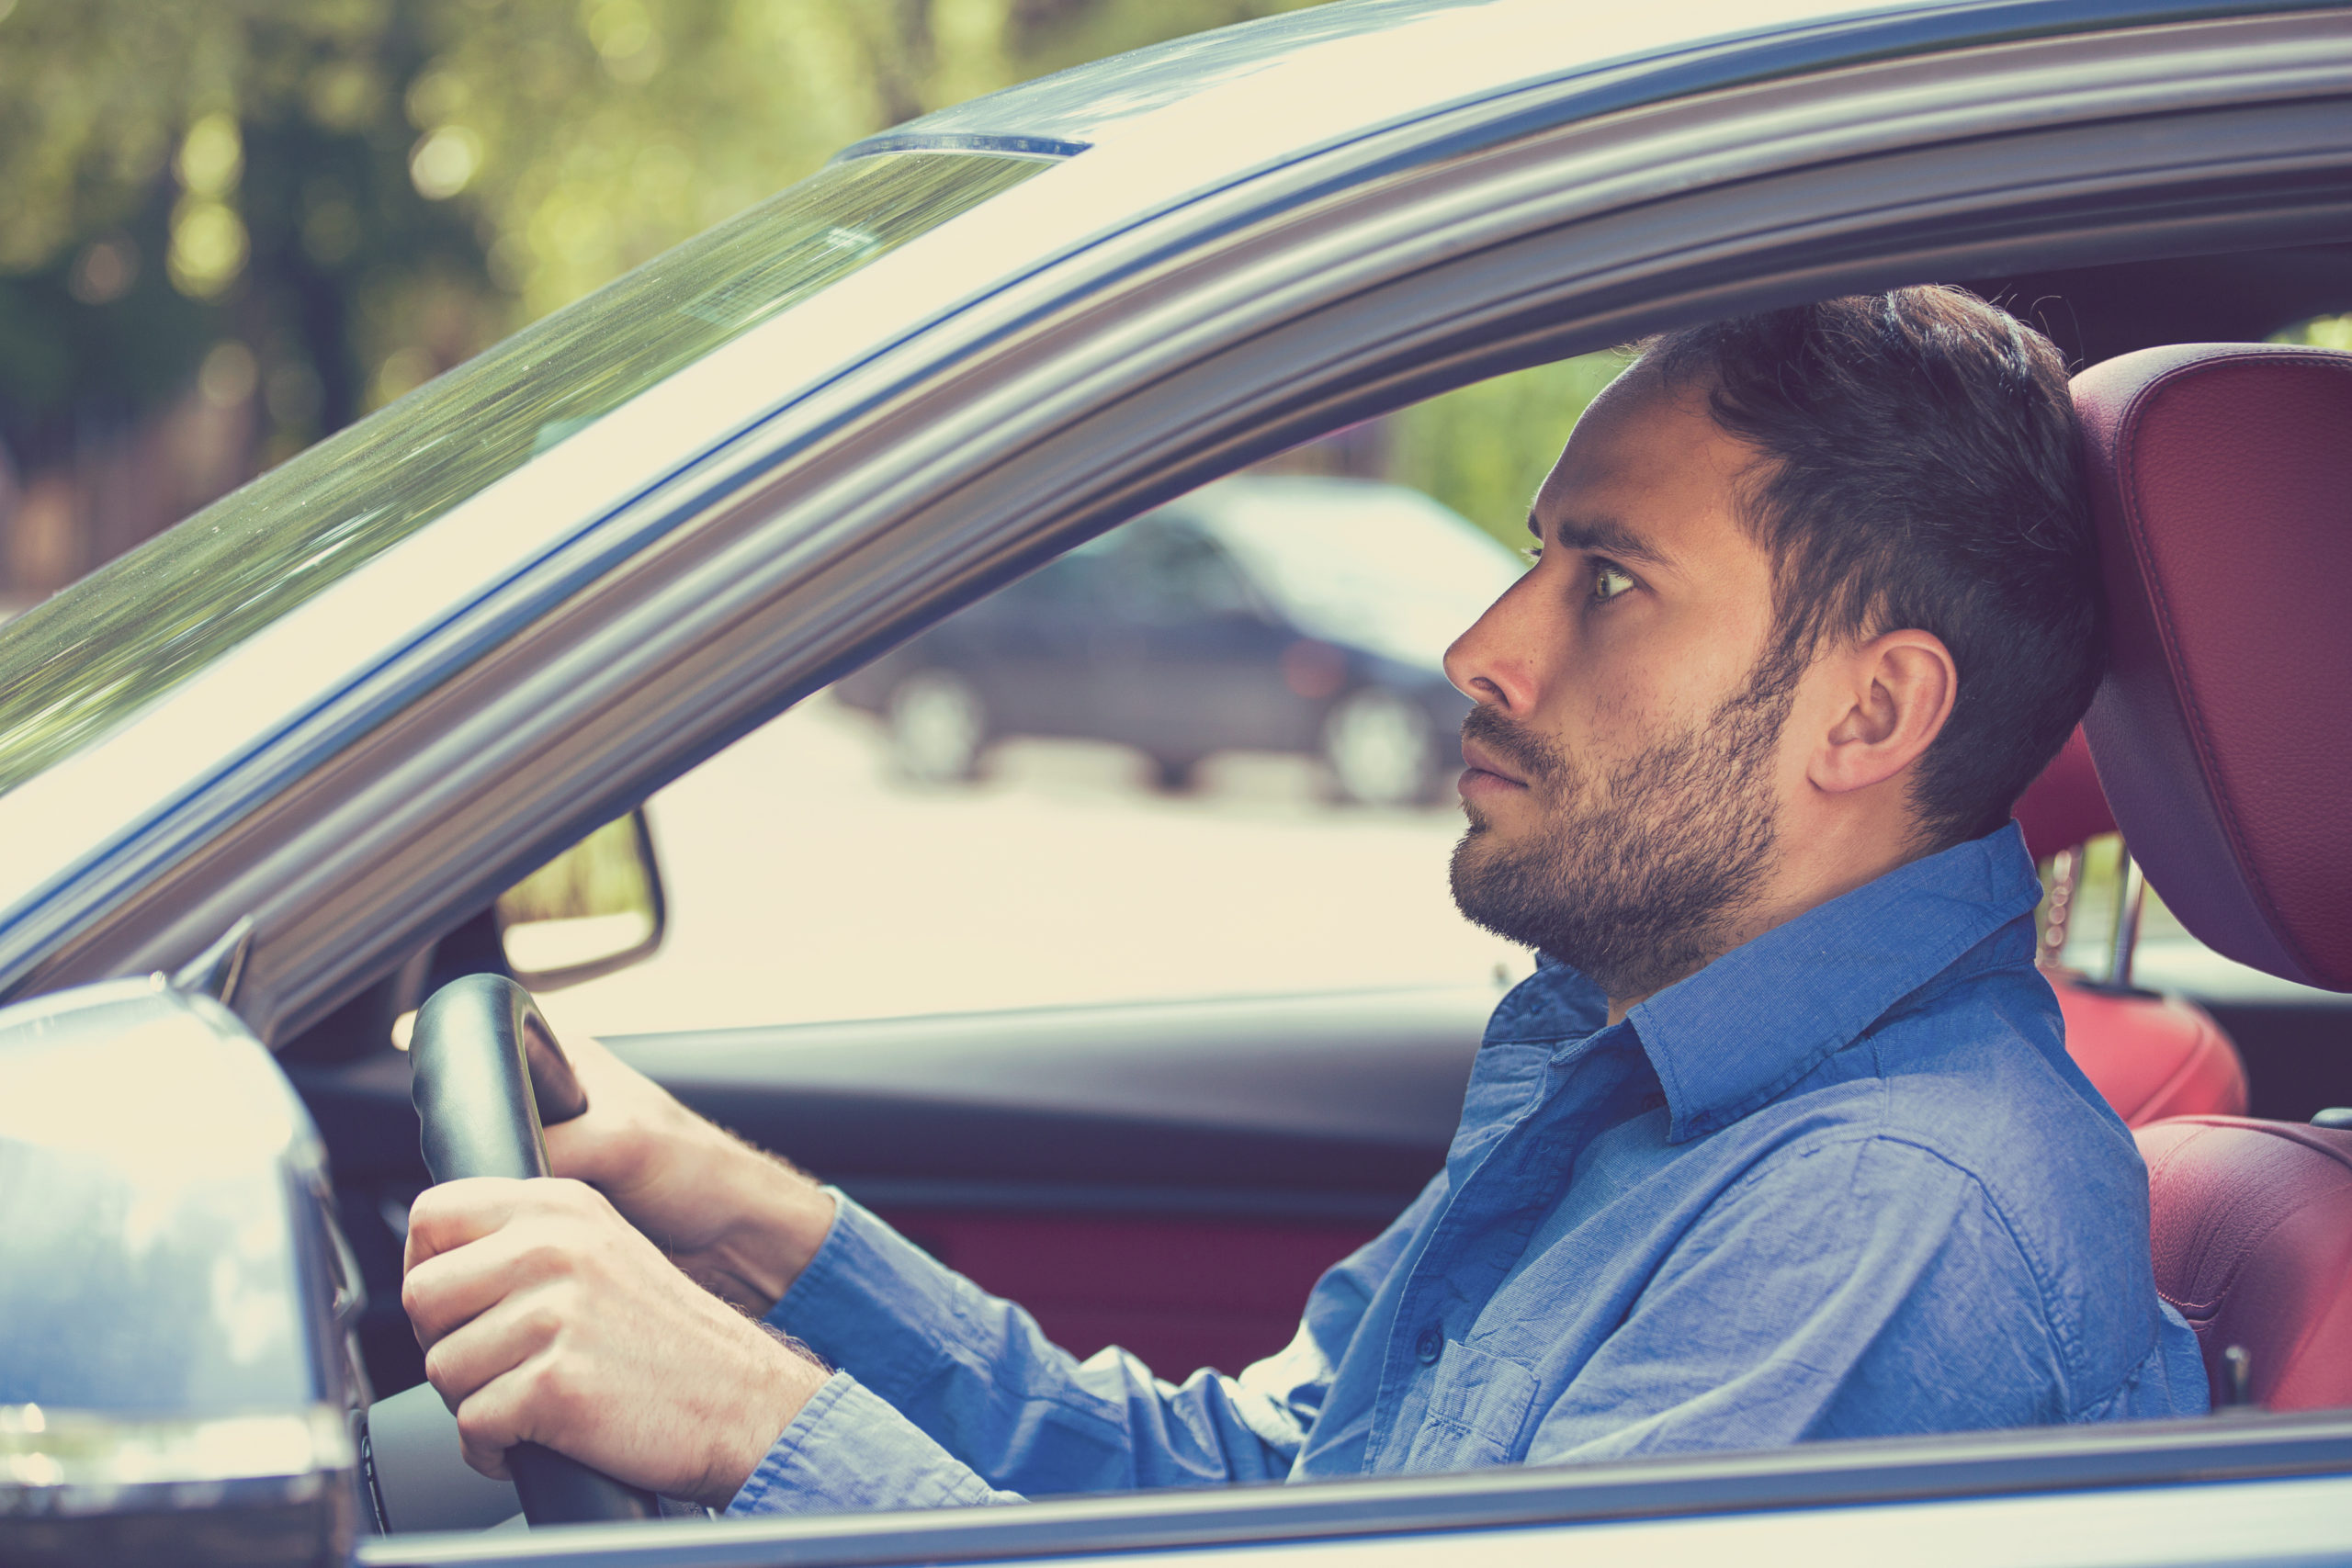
x=79 y=664
x=1373 y=566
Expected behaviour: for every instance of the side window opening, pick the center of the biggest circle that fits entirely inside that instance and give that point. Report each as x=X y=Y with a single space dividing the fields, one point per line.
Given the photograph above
x=1209 y=754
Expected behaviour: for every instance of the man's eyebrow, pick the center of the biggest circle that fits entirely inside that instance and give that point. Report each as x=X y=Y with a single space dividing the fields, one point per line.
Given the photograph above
x=1600 y=536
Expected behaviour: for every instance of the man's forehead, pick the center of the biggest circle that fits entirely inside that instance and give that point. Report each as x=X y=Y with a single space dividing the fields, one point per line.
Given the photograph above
x=1647 y=471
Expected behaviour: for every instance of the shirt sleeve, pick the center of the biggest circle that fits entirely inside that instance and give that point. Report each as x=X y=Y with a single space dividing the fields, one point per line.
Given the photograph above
x=949 y=1395
x=848 y=1449
x=1905 y=1307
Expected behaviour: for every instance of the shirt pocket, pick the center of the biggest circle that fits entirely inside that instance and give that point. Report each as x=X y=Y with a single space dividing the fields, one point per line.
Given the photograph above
x=1478 y=1413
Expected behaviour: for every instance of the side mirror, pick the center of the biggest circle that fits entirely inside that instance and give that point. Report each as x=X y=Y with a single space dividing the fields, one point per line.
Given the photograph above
x=177 y=1378
x=595 y=907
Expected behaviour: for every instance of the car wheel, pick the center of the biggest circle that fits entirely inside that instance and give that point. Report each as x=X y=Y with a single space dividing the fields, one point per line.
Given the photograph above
x=937 y=727
x=1379 y=748
x=1173 y=775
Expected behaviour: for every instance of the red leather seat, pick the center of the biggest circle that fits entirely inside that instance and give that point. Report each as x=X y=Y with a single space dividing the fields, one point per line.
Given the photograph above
x=2150 y=1056
x=2221 y=487
x=2255 y=1249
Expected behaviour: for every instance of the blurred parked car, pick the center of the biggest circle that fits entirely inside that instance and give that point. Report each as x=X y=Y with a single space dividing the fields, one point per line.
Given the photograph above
x=1271 y=614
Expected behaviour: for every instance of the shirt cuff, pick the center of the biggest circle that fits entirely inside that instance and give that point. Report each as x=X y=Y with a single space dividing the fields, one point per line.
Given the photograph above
x=873 y=1303
x=848 y=1450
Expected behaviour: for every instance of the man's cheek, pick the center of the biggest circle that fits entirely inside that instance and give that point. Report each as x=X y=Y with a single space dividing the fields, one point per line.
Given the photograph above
x=1622 y=713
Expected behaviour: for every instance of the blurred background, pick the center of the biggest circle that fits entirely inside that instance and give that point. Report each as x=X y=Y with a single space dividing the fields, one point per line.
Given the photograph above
x=234 y=226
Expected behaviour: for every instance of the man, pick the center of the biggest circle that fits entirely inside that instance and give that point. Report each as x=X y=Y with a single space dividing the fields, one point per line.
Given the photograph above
x=1780 y=1141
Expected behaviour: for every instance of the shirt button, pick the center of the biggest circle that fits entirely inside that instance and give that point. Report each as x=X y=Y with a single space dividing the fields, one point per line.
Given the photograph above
x=1426 y=1348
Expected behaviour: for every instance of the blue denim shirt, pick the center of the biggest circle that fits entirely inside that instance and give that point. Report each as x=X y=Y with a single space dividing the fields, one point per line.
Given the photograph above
x=1843 y=1181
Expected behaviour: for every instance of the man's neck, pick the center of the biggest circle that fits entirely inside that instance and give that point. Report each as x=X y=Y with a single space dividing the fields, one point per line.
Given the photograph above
x=1796 y=889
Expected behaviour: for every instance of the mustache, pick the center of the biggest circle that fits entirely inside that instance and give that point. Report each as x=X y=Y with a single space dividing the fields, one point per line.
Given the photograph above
x=1529 y=754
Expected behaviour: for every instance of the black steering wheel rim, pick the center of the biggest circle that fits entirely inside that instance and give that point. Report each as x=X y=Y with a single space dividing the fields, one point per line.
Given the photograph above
x=488 y=1076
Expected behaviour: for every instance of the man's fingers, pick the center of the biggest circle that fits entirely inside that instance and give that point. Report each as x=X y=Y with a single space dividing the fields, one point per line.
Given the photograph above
x=543 y=1229
x=615 y=1144
x=487 y=1428
x=545 y=1393
x=465 y=1361
x=446 y=1216
x=445 y=1292
x=588 y=1057
x=486 y=1461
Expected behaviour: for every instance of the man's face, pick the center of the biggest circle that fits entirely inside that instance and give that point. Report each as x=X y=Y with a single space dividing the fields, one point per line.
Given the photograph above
x=1625 y=773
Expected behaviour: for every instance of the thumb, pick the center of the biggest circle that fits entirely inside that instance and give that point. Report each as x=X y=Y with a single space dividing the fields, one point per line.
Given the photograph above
x=609 y=1143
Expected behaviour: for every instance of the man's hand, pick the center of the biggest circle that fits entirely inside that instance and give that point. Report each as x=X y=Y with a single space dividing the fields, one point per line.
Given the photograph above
x=546 y=1318
x=742 y=1221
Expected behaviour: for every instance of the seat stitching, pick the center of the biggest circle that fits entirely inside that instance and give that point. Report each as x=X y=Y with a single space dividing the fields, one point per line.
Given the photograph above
x=2255 y=1241
x=2166 y=1162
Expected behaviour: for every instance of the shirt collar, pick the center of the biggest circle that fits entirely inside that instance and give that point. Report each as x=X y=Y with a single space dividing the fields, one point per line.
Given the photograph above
x=1741 y=1031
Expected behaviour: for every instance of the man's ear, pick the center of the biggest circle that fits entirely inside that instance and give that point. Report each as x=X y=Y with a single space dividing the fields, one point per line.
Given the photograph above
x=1895 y=691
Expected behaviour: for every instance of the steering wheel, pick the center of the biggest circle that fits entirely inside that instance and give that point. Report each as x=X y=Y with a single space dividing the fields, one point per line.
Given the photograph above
x=489 y=1076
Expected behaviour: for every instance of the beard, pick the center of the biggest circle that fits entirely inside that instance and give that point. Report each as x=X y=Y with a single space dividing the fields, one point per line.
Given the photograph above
x=1633 y=875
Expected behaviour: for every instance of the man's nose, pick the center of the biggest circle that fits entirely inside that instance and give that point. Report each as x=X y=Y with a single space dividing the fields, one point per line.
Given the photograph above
x=1487 y=662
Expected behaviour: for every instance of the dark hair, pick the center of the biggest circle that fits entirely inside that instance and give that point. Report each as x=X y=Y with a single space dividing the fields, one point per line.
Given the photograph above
x=1922 y=471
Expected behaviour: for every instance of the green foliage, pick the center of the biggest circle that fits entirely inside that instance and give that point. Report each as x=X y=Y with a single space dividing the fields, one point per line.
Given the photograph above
x=180 y=172
x=366 y=192
x=2320 y=331
x=1485 y=449
x=604 y=874
x=608 y=130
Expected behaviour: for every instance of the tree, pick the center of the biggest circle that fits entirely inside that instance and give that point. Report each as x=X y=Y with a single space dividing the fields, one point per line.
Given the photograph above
x=254 y=219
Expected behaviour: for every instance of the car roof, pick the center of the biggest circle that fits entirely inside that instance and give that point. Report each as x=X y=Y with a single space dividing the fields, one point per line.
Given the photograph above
x=1067 y=111
x=1361 y=63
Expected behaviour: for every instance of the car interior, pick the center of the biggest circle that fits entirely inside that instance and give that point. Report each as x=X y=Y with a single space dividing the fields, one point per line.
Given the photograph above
x=2223 y=761
x=1172 y=1175
x=2150 y=1055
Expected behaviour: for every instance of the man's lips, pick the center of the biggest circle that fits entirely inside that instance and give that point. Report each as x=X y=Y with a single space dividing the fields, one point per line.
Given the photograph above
x=1485 y=771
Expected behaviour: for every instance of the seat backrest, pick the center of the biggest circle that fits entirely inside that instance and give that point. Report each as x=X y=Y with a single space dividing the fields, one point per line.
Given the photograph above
x=2149 y=1056
x=2221 y=487
x=2254 y=1248
x=2221 y=478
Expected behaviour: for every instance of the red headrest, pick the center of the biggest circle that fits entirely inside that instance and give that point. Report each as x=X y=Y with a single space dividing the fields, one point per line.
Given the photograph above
x=2221 y=485
x=2064 y=806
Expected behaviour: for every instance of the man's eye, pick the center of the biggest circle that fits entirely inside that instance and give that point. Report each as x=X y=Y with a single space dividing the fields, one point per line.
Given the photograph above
x=1608 y=581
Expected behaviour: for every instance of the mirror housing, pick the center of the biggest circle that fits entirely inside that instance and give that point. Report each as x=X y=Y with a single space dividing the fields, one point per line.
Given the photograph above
x=178 y=1382
x=594 y=908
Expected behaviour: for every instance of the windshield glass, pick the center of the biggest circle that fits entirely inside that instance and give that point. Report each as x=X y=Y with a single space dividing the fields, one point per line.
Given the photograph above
x=79 y=664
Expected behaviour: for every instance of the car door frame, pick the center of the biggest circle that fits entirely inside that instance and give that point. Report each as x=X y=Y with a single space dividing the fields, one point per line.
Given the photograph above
x=2262 y=1488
